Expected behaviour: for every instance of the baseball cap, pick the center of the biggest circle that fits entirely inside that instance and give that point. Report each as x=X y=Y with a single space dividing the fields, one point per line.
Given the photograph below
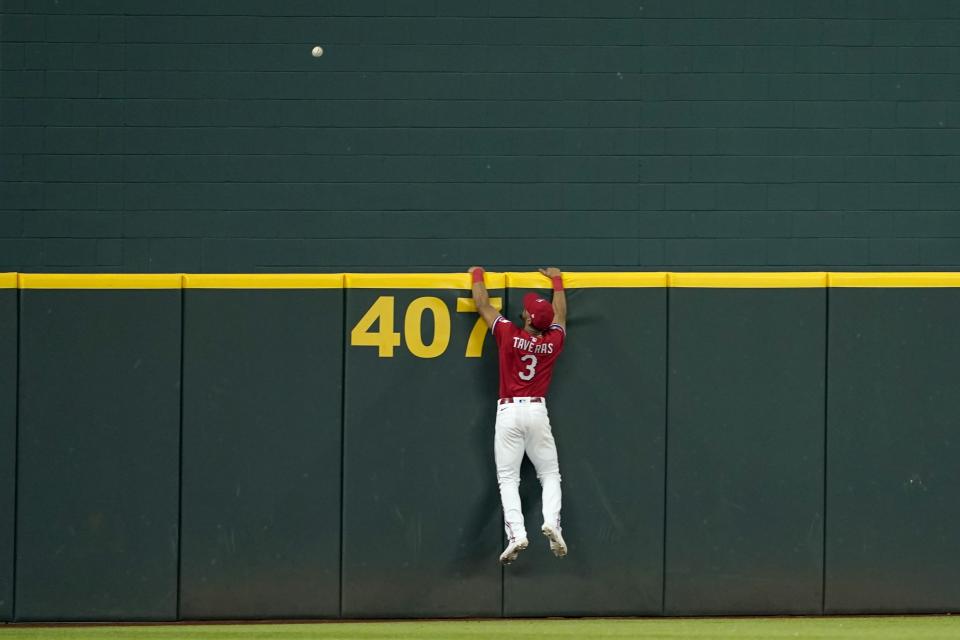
x=540 y=310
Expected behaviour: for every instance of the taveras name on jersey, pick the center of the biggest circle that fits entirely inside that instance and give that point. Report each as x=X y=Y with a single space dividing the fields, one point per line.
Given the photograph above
x=526 y=361
x=533 y=346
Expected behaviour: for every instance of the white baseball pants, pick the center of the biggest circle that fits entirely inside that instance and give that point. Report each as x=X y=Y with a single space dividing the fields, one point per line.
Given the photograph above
x=524 y=426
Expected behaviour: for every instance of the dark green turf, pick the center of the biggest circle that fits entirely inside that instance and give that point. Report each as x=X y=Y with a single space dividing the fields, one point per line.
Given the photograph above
x=874 y=628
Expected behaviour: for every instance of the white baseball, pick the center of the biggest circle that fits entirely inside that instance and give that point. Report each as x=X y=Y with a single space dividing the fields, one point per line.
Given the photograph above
x=317 y=52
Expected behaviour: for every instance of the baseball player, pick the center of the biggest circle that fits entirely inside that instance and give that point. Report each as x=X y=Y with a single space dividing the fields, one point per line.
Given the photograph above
x=527 y=355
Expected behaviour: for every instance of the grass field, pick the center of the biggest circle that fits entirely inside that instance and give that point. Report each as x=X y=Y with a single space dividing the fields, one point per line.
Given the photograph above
x=874 y=628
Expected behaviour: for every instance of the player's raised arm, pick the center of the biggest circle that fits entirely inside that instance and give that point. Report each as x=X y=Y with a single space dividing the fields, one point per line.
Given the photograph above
x=559 y=297
x=480 y=297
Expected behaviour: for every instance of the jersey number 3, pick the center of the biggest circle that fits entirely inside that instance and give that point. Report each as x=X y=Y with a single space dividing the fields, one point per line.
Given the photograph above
x=531 y=368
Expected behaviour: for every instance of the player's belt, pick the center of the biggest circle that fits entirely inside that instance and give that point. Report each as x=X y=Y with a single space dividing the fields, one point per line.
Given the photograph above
x=510 y=400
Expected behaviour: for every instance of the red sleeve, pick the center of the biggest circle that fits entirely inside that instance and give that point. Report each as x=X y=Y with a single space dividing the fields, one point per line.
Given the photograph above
x=560 y=334
x=501 y=328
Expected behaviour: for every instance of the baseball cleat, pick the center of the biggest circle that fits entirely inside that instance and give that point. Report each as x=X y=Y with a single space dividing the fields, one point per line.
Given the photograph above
x=557 y=545
x=513 y=550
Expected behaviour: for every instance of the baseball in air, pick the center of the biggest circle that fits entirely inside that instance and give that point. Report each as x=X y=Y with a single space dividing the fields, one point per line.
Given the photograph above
x=317 y=52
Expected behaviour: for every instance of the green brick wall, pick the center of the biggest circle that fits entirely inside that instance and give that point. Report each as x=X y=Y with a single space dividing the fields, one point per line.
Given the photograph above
x=649 y=134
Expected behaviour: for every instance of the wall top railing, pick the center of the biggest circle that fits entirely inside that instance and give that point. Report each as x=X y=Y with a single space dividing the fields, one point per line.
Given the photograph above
x=494 y=280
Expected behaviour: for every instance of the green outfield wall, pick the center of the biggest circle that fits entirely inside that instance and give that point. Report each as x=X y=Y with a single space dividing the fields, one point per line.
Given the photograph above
x=662 y=135
x=261 y=407
x=8 y=437
x=255 y=440
x=891 y=439
x=745 y=448
x=98 y=452
x=192 y=447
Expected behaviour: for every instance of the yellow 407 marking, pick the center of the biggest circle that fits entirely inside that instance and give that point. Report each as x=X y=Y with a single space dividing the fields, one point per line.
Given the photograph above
x=385 y=339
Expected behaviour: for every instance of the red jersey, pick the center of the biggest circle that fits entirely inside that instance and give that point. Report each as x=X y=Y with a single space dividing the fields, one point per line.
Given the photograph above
x=526 y=361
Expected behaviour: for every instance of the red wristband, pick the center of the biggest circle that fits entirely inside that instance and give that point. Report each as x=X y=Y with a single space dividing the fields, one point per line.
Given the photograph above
x=557 y=283
x=478 y=275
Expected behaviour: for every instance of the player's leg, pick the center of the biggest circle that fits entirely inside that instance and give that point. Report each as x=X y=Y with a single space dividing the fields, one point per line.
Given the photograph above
x=541 y=448
x=508 y=446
